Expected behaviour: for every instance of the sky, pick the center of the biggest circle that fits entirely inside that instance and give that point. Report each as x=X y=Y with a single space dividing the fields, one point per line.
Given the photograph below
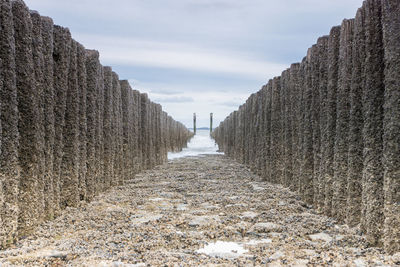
x=198 y=56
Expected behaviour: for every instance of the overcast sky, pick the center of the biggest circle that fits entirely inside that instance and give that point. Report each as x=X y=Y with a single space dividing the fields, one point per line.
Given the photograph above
x=198 y=55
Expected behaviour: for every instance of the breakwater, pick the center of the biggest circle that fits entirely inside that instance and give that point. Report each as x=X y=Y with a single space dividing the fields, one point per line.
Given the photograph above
x=69 y=127
x=329 y=127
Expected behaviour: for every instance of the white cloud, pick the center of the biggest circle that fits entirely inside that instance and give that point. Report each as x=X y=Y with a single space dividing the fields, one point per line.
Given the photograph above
x=136 y=52
x=173 y=99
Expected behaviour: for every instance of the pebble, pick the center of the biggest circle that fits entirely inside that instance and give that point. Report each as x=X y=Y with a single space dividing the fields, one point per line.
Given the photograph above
x=203 y=220
x=321 y=236
x=266 y=227
x=249 y=214
x=277 y=255
x=300 y=263
x=360 y=263
x=256 y=187
x=146 y=218
x=182 y=207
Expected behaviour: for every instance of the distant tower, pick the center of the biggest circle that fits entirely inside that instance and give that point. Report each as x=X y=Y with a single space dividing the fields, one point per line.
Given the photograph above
x=194 y=123
x=211 y=121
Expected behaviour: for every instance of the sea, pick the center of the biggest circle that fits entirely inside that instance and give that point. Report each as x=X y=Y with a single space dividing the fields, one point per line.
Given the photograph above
x=200 y=144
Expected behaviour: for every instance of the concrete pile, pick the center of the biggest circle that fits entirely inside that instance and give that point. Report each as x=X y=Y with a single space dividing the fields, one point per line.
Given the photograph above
x=329 y=127
x=69 y=128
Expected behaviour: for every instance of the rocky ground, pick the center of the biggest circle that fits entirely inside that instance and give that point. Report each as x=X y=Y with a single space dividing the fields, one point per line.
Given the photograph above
x=195 y=211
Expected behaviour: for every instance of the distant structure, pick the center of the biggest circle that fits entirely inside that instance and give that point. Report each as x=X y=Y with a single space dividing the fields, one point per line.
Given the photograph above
x=211 y=122
x=194 y=123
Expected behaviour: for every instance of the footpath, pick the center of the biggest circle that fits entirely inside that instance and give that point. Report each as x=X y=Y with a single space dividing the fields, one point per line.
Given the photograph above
x=195 y=211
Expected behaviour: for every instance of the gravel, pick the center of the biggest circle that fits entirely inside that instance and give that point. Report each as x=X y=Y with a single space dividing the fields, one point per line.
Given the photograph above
x=169 y=215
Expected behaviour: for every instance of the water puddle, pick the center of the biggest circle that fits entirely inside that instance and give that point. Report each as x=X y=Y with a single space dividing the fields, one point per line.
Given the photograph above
x=222 y=249
x=230 y=250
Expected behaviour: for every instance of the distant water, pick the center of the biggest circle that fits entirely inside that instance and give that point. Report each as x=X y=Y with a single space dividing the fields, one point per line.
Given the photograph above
x=200 y=144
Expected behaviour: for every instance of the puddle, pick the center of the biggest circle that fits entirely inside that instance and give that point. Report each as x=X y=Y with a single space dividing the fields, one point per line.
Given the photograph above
x=256 y=242
x=222 y=249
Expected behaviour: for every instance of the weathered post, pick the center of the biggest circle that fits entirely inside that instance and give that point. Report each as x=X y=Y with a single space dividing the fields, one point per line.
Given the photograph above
x=373 y=113
x=28 y=122
x=330 y=110
x=109 y=139
x=391 y=124
x=48 y=112
x=92 y=66
x=9 y=169
x=355 y=150
x=61 y=61
x=194 y=123
x=211 y=121
x=82 y=87
x=69 y=177
x=37 y=52
x=341 y=152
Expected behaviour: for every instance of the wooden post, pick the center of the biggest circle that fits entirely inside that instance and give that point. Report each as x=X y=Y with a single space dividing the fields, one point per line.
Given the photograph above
x=211 y=122
x=194 y=123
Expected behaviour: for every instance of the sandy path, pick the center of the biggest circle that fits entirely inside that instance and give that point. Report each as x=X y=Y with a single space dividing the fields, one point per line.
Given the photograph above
x=164 y=216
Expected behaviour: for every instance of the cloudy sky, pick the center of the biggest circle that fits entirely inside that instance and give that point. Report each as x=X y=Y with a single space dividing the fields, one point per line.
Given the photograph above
x=198 y=55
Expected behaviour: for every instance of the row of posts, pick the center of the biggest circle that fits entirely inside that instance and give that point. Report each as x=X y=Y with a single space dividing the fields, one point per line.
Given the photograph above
x=329 y=126
x=194 y=123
